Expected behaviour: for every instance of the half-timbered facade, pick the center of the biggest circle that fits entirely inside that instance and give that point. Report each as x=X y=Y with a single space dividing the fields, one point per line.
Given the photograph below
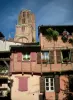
x=43 y=71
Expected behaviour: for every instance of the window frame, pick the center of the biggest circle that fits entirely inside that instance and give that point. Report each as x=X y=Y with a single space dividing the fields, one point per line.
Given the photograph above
x=49 y=82
x=23 y=54
x=62 y=59
x=46 y=57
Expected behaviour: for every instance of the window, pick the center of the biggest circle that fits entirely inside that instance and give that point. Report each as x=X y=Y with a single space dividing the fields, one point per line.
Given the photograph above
x=26 y=56
x=49 y=84
x=23 y=28
x=65 y=54
x=45 y=56
x=23 y=21
x=24 y=14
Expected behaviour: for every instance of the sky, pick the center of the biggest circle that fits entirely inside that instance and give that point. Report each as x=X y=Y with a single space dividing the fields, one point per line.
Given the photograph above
x=47 y=12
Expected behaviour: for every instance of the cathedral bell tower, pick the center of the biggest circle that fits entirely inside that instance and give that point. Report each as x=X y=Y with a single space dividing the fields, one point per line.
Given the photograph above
x=25 y=28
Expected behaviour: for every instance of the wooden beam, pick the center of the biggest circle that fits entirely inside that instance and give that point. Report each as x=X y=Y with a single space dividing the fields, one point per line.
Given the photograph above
x=7 y=59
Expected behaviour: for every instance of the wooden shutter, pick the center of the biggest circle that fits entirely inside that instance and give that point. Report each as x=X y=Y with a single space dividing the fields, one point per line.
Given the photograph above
x=23 y=84
x=51 y=56
x=71 y=55
x=58 y=55
x=19 y=56
x=42 y=84
x=57 y=83
x=38 y=57
x=33 y=56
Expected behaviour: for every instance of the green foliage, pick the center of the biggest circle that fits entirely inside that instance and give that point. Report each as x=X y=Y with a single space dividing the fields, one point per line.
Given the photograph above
x=70 y=40
x=64 y=39
x=55 y=35
x=52 y=34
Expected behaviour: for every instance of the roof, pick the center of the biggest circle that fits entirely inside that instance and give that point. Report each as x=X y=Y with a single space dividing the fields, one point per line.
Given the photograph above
x=26 y=47
x=59 y=28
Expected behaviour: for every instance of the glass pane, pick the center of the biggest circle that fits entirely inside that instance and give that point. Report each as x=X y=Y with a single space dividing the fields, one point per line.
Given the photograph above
x=51 y=84
x=47 y=84
x=47 y=88
x=52 y=88
x=51 y=79
x=46 y=79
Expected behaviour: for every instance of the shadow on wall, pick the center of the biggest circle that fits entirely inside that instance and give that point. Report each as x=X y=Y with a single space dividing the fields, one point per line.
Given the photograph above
x=68 y=92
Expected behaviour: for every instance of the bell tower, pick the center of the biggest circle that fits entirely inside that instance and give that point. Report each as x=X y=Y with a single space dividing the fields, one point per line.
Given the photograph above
x=25 y=28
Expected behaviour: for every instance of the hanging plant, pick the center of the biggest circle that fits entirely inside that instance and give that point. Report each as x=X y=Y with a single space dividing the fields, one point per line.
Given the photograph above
x=55 y=35
x=70 y=40
x=64 y=39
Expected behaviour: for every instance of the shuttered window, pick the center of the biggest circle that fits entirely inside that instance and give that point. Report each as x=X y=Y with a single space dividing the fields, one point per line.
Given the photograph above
x=38 y=57
x=58 y=55
x=23 y=84
x=49 y=84
x=57 y=83
x=33 y=56
x=51 y=56
x=42 y=84
x=19 y=56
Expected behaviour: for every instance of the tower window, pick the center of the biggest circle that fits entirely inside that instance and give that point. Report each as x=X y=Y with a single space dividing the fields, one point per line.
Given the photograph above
x=27 y=14
x=23 y=14
x=23 y=28
x=23 y=21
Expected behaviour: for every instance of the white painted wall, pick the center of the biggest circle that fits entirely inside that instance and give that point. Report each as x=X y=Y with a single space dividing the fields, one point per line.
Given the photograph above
x=5 y=45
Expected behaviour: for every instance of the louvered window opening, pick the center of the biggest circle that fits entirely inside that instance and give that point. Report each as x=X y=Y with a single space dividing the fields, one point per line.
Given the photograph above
x=26 y=57
x=65 y=56
x=45 y=56
x=49 y=84
x=24 y=14
x=23 y=21
x=23 y=28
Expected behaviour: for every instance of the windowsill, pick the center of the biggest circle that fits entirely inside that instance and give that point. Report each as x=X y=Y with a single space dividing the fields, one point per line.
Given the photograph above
x=49 y=91
x=66 y=62
x=25 y=60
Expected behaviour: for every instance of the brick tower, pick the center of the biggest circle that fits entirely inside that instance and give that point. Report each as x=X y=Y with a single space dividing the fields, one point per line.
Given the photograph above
x=25 y=28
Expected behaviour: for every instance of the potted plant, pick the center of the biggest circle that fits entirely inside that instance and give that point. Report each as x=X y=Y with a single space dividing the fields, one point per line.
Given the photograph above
x=70 y=40
x=66 y=60
x=64 y=39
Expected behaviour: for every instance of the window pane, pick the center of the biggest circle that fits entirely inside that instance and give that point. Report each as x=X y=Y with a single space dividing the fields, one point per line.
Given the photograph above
x=51 y=84
x=47 y=88
x=47 y=84
x=26 y=56
x=52 y=88
x=51 y=79
x=46 y=79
